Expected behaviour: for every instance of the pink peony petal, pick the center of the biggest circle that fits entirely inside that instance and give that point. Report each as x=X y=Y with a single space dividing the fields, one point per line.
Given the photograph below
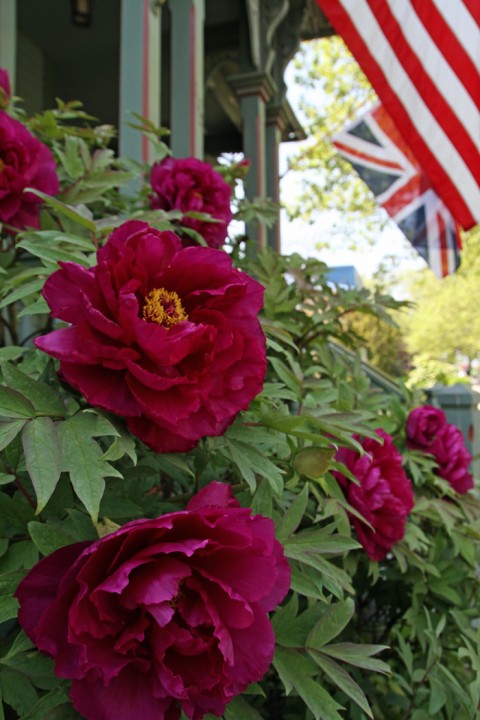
x=38 y=589
x=214 y=495
x=127 y=697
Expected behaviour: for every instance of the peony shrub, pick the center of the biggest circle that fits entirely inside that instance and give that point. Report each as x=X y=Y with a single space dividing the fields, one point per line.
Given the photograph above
x=257 y=555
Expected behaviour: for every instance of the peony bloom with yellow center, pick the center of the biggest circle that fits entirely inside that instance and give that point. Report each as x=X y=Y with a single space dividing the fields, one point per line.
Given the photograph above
x=167 y=337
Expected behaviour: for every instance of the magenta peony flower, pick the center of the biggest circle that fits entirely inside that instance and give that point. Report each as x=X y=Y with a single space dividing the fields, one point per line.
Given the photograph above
x=384 y=496
x=423 y=426
x=162 y=613
x=5 y=89
x=428 y=430
x=453 y=459
x=165 y=336
x=24 y=162
x=190 y=184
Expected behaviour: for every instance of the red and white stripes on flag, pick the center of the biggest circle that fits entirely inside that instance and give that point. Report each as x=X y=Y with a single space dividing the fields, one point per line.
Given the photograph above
x=423 y=60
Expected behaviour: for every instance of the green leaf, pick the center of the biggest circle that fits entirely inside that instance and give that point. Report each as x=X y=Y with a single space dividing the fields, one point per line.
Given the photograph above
x=439 y=587
x=282 y=423
x=244 y=467
x=43 y=397
x=36 y=666
x=24 y=290
x=63 y=209
x=284 y=618
x=306 y=581
x=331 y=624
x=262 y=500
x=14 y=405
x=122 y=445
x=313 y=461
x=293 y=516
x=286 y=375
x=5 y=478
x=14 y=515
x=80 y=525
x=82 y=459
x=358 y=655
x=42 y=457
x=8 y=608
x=21 y=554
x=38 y=307
x=11 y=352
x=48 y=538
x=343 y=680
x=405 y=652
x=17 y=691
x=94 y=423
x=251 y=461
x=319 y=542
x=172 y=463
x=240 y=709
x=9 y=430
x=333 y=577
x=293 y=633
x=21 y=643
x=295 y=672
x=438 y=696
x=53 y=254
x=71 y=159
x=9 y=582
x=51 y=700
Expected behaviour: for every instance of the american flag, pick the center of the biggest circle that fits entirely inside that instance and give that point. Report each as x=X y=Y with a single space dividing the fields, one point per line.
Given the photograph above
x=423 y=59
x=377 y=151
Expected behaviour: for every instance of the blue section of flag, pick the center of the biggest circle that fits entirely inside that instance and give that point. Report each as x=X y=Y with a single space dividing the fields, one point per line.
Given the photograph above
x=377 y=180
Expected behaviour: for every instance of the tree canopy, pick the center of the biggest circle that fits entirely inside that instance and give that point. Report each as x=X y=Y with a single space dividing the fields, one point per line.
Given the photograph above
x=333 y=92
x=446 y=321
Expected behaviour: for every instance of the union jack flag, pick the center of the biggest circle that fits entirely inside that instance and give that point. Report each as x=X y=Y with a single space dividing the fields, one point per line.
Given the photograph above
x=377 y=151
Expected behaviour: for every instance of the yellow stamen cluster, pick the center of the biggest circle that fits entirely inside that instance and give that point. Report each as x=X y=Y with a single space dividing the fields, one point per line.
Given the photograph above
x=163 y=307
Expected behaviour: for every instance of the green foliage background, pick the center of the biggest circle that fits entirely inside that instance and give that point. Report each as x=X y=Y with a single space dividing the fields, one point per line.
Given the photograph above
x=355 y=639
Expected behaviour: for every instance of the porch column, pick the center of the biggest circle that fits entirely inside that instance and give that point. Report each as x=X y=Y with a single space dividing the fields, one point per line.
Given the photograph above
x=8 y=38
x=254 y=90
x=274 y=132
x=187 y=77
x=139 y=75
